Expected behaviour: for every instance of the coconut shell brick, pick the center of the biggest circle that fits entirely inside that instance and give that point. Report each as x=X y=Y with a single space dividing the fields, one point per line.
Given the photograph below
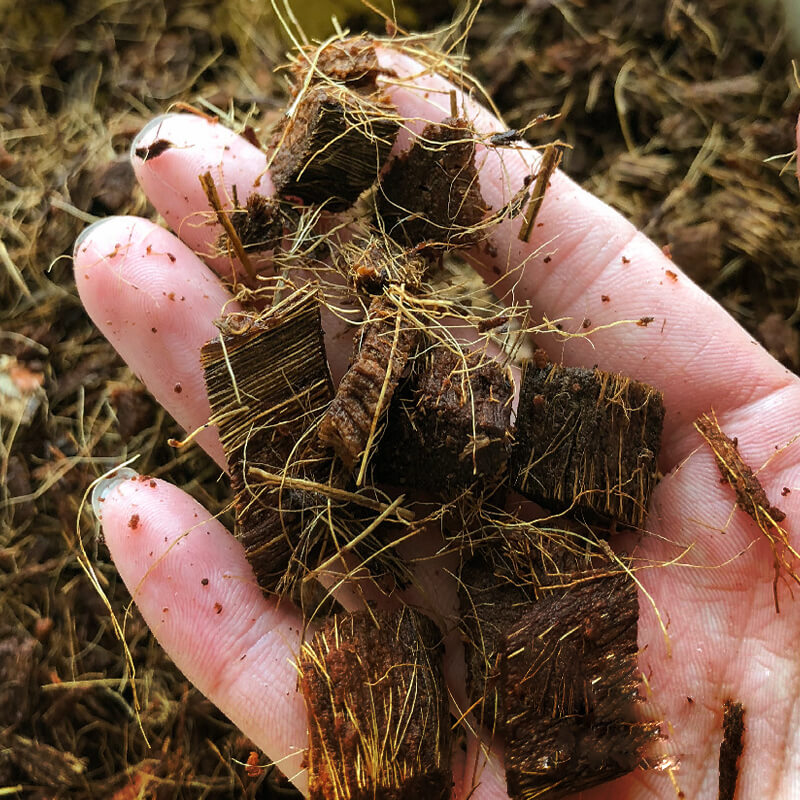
x=366 y=390
x=268 y=383
x=589 y=440
x=333 y=146
x=454 y=427
x=379 y=723
x=569 y=688
x=431 y=195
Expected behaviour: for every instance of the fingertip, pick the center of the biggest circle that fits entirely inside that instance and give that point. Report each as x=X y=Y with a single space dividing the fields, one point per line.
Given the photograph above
x=171 y=153
x=156 y=302
x=192 y=584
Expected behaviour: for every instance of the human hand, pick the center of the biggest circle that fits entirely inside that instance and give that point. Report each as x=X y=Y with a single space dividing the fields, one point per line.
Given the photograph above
x=156 y=300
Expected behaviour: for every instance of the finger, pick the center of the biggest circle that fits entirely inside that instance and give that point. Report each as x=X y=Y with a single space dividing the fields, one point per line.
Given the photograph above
x=171 y=181
x=156 y=302
x=197 y=593
x=586 y=262
x=186 y=147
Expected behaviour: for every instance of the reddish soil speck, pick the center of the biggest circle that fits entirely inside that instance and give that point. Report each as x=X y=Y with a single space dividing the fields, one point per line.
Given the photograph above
x=154 y=330
x=644 y=321
x=218 y=608
x=177 y=388
x=171 y=257
x=171 y=296
x=251 y=768
x=133 y=522
x=667 y=251
x=587 y=323
x=547 y=259
x=786 y=490
x=673 y=276
x=605 y=298
x=625 y=260
x=204 y=582
x=153 y=484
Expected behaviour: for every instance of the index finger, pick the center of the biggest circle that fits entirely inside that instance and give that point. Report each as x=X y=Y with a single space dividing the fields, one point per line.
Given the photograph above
x=586 y=262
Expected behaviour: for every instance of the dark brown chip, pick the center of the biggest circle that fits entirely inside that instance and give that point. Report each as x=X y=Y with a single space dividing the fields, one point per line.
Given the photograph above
x=379 y=724
x=587 y=439
x=352 y=61
x=333 y=146
x=366 y=390
x=452 y=428
x=268 y=383
x=497 y=589
x=731 y=748
x=430 y=195
x=260 y=224
x=568 y=687
x=491 y=604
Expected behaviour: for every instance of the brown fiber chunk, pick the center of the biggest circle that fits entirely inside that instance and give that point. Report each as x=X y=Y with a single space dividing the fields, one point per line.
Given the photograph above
x=491 y=604
x=587 y=439
x=568 y=687
x=751 y=498
x=731 y=748
x=366 y=390
x=333 y=146
x=453 y=428
x=378 y=714
x=430 y=195
x=352 y=61
x=260 y=224
x=750 y=494
x=282 y=383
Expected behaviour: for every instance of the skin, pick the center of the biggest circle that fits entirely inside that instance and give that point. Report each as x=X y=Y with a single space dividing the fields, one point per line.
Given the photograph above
x=725 y=638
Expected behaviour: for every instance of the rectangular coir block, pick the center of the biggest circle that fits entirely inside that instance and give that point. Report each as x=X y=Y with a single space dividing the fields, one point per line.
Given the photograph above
x=568 y=687
x=451 y=427
x=431 y=195
x=333 y=146
x=587 y=439
x=378 y=713
x=268 y=382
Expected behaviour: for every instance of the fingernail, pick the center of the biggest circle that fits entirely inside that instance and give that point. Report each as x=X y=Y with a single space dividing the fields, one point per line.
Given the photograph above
x=104 y=487
x=147 y=136
x=83 y=235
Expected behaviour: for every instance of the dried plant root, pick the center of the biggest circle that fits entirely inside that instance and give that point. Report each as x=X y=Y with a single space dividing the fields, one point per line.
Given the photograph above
x=568 y=687
x=372 y=263
x=430 y=195
x=750 y=497
x=379 y=724
x=587 y=439
x=268 y=384
x=452 y=427
x=366 y=390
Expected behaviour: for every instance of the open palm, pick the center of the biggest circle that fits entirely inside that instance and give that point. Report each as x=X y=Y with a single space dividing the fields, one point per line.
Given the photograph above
x=155 y=299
